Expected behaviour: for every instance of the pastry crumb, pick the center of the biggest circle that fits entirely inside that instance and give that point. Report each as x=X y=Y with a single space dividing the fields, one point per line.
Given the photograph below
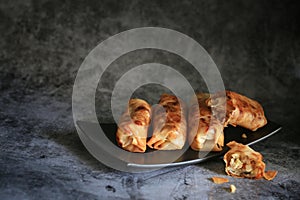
x=244 y=135
x=232 y=188
x=219 y=180
x=270 y=175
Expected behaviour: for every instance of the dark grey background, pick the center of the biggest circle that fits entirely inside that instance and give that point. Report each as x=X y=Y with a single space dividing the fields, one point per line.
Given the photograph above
x=255 y=44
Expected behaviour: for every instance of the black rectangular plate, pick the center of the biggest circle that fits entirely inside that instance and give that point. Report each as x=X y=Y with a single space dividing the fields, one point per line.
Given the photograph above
x=189 y=156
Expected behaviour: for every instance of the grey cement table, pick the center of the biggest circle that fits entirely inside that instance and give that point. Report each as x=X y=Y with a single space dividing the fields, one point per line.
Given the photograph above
x=255 y=45
x=43 y=158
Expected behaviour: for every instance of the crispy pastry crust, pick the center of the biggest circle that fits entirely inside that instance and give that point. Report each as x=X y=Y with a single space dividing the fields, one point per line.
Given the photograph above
x=219 y=180
x=207 y=133
x=242 y=161
x=270 y=175
x=169 y=124
x=133 y=126
x=240 y=110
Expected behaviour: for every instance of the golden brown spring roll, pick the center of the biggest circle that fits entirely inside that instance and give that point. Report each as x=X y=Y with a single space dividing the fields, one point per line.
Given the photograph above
x=240 y=110
x=133 y=126
x=205 y=130
x=242 y=161
x=169 y=125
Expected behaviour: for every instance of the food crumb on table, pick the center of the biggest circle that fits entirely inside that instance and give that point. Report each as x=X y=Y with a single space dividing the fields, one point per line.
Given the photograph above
x=232 y=188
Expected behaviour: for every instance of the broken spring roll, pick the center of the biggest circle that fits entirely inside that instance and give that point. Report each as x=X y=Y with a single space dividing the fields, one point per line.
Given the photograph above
x=133 y=126
x=169 y=124
x=240 y=110
x=242 y=161
x=205 y=130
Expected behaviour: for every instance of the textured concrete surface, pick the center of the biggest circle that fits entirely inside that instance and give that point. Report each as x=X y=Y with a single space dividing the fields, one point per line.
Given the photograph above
x=256 y=46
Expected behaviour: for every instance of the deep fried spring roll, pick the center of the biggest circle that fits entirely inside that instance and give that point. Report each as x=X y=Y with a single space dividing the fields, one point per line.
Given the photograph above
x=240 y=110
x=242 y=161
x=205 y=130
x=169 y=124
x=133 y=126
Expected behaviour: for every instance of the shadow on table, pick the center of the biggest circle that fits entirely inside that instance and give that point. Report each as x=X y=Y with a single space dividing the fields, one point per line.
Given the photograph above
x=71 y=141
